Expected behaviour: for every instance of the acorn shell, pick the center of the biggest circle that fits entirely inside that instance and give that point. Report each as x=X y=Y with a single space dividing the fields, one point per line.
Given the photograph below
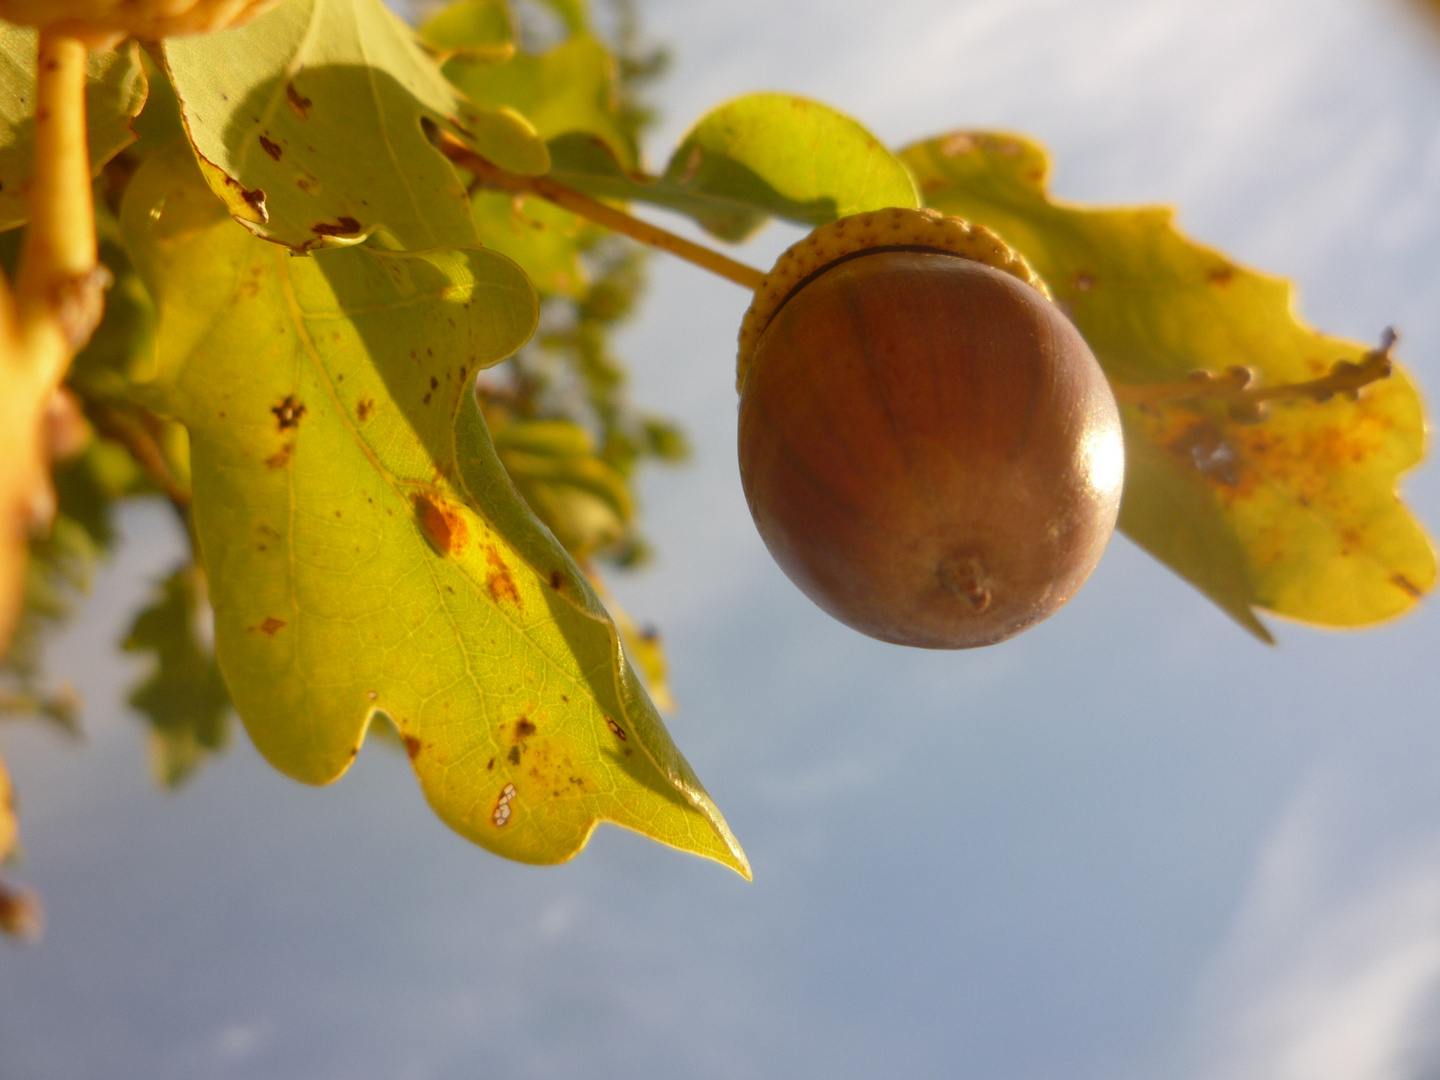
x=928 y=447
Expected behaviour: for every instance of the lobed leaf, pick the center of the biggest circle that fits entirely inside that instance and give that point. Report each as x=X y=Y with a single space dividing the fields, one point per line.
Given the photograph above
x=309 y=122
x=1297 y=513
x=754 y=157
x=481 y=30
x=184 y=696
x=115 y=89
x=367 y=552
x=571 y=88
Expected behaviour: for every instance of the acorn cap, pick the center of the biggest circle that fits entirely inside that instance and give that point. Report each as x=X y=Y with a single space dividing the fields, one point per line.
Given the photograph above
x=882 y=230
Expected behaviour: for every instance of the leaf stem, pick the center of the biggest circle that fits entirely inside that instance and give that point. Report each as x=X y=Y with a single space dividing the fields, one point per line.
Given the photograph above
x=1247 y=401
x=491 y=175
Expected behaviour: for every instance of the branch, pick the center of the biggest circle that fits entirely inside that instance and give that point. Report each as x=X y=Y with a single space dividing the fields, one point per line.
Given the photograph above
x=1249 y=402
x=58 y=300
x=492 y=176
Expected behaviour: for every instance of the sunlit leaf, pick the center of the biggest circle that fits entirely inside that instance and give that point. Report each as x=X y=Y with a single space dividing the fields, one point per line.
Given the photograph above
x=571 y=88
x=308 y=123
x=479 y=30
x=114 y=94
x=545 y=240
x=751 y=158
x=184 y=696
x=9 y=826
x=367 y=552
x=1296 y=514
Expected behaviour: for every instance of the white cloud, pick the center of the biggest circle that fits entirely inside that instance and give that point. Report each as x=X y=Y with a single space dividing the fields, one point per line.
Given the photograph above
x=1323 y=983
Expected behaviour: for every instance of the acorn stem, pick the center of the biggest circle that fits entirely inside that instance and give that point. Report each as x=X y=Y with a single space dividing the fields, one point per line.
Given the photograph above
x=600 y=213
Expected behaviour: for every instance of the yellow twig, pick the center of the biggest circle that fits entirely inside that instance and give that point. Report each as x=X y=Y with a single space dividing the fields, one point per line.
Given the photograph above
x=601 y=213
x=1248 y=401
x=57 y=301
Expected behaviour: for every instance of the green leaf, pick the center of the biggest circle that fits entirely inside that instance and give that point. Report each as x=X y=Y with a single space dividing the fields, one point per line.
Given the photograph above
x=309 y=124
x=545 y=240
x=1296 y=514
x=757 y=156
x=479 y=30
x=569 y=89
x=366 y=550
x=114 y=94
x=581 y=499
x=184 y=697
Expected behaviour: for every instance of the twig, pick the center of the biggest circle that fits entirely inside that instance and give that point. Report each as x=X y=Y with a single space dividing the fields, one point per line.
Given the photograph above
x=491 y=175
x=1249 y=402
x=118 y=426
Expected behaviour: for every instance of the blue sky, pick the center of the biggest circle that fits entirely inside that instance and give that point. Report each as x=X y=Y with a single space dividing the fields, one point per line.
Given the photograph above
x=1129 y=843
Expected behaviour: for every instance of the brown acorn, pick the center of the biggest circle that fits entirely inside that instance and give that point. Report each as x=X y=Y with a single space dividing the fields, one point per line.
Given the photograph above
x=928 y=447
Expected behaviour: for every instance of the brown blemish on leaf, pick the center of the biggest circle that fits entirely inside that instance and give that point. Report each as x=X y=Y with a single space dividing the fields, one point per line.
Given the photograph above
x=523 y=728
x=514 y=756
x=307 y=183
x=1221 y=275
x=498 y=581
x=288 y=413
x=1401 y=582
x=412 y=746
x=490 y=765
x=271 y=147
x=501 y=814
x=270 y=626
x=616 y=728
x=299 y=104
x=1084 y=281
x=363 y=408
x=1205 y=449
x=441 y=524
x=341 y=226
x=557 y=580
x=281 y=457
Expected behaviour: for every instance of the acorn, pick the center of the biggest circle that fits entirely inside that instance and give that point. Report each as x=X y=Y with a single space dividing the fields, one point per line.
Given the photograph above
x=929 y=448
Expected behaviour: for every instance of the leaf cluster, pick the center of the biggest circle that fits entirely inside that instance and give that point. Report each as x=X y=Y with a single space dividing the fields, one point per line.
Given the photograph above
x=308 y=288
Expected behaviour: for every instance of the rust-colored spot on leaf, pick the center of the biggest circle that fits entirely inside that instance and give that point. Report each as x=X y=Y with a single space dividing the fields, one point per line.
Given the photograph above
x=270 y=625
x=364 y=408
x=499 y=581
x=289 y=412
x=271 y=147
x=514 y=756
x=281 y=457
x=524 y=728
x=341 y=226
x=441 y=524
x=298 y=103
x=557 y=580
x=412 y=746
x=616 y=728
x=1084 y=281
x=1221 y=275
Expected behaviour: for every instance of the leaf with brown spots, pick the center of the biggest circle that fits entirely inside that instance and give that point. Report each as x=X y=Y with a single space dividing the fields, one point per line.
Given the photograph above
x=1297 y=513
x=390 y=566
x=319 y=105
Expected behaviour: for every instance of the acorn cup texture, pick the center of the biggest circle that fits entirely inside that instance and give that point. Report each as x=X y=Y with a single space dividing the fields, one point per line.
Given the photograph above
x=928 y=447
